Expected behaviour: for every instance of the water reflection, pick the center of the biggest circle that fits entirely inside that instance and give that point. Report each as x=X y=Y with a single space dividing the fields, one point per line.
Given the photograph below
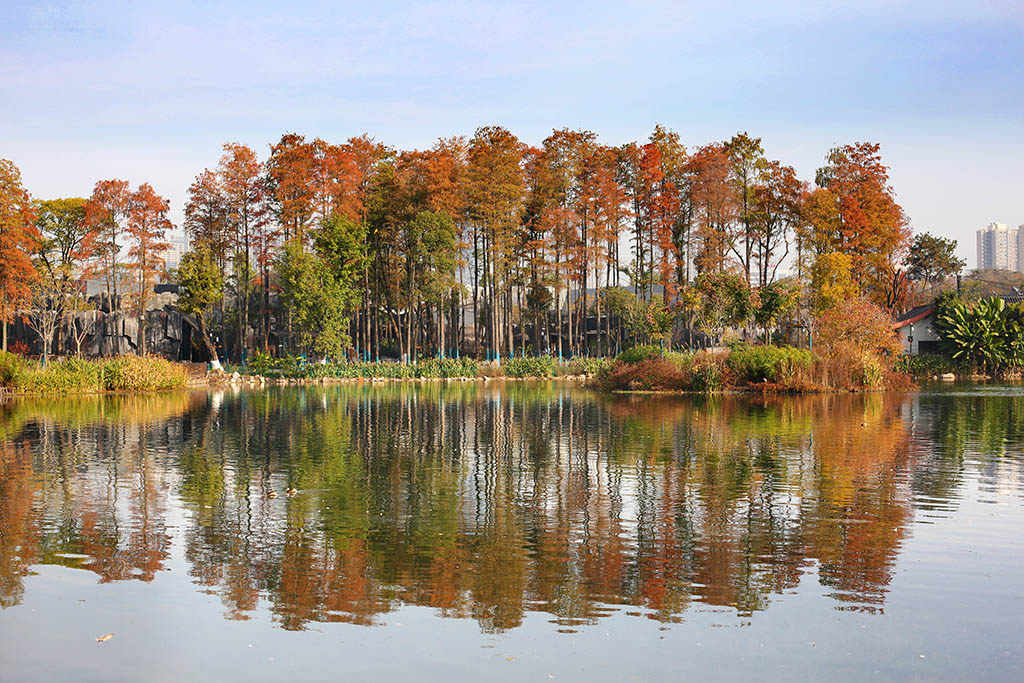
x=488 y=501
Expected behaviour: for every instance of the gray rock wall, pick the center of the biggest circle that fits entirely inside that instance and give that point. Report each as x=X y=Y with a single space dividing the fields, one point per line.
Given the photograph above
x=168 y=334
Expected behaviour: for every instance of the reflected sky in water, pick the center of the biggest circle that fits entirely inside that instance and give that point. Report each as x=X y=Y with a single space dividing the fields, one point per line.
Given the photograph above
x=512 y=530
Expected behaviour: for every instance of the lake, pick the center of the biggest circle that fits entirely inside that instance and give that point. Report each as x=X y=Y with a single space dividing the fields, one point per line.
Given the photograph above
x=512 y=531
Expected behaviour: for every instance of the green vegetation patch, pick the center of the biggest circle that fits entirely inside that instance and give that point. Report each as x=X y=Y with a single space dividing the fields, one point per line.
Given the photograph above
x=79 y=375
x=776 y=364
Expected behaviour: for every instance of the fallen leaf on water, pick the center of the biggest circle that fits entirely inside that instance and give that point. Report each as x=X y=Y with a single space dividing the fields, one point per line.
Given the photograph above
x=104 y=638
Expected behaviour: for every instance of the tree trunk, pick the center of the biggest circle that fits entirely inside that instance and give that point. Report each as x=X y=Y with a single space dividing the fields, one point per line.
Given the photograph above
x=210 y=349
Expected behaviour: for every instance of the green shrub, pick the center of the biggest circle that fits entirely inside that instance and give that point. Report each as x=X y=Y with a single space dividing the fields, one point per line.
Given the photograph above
x=768 y=363
x=78 y=375
x=529 y=366
x=12 y=368
x=707 y=377
x=583 y=365
x=638 y=354
x=682 y=359
x=142 y=373
x=447 y=367
x=261 y=363
x=927 y=364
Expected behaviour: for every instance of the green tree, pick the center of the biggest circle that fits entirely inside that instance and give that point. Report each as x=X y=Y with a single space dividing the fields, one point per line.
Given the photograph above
x=932 y=259
x=724 y=301
x=202 y=285
x=775 y=301
x=319 y=303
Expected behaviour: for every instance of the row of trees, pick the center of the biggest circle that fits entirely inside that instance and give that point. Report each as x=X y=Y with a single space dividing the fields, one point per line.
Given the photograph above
x=48 y=248
x=544 y=248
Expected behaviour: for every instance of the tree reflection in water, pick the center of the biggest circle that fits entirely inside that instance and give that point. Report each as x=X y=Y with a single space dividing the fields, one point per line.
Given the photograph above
x=484 y=500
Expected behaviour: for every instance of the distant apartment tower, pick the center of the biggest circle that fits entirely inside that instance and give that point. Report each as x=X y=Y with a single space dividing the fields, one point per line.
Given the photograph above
x=1000 y=247
x=178 y=242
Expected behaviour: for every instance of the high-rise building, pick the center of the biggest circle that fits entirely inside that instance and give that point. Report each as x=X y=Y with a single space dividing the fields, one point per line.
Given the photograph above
x=178 y=242
x=999 y=246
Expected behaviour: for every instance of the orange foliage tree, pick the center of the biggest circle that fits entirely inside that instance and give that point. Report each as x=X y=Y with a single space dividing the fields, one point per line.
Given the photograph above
x=147 y=228
x=17 y=240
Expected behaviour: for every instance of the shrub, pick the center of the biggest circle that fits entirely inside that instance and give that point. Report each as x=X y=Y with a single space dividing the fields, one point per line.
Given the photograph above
x=926 y=364
x=583 y=365
x=653 y=374
x=262 y=363
x=707 y=377
x=447 y=367
x=638 y=354
x=78 y=375
x=12 y=367
x=530 y=366
x=142 y=373
x=855 y=344
x=768 y=363
x=683 y=360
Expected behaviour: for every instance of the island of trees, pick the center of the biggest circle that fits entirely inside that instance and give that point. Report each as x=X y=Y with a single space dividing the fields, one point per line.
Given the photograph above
x=485 y=247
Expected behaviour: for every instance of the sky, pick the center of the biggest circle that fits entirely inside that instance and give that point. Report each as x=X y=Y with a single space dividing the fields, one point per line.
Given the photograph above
x=149 y=92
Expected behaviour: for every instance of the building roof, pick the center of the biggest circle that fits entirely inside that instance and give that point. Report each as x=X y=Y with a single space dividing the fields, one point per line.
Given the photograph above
x=913 y=315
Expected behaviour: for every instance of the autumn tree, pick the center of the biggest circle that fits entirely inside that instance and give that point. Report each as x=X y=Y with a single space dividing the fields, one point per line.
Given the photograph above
x=240 y=177
x=18 y=238
x=494 y=196
x=832 y=280
x=206 y=217
x=147 y=227
x=775 y=214
x=746 y=157
x=714 y=206
x=854 y=211
x=107 y=213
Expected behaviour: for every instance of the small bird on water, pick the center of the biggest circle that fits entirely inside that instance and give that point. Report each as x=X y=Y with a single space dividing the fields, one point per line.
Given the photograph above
x=291 y=492
x=272 y=494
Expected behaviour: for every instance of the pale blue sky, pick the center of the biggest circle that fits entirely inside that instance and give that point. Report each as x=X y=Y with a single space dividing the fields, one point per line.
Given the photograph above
x=148 y=92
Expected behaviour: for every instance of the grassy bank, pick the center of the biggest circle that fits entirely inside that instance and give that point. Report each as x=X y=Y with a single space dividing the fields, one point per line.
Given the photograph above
x=754 y=368
x=78 y=375
x=431 y=368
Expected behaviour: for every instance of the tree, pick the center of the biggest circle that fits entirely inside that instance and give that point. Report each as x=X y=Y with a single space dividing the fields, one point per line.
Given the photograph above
x=714 y=205
x=43 y=314
x=427 y=245
x=318 y=302
x=725 y=300
x=240 y=176
x=107 y=214
x=67 y=244
x=777 y=202
x=932 y=259
x=147 y=226
x=202 y=285
x=18 y=238
x=748 y=163
x=832 y=280
x=854 y=211
x=775 y=301
x=494 y=196
x=341 y=244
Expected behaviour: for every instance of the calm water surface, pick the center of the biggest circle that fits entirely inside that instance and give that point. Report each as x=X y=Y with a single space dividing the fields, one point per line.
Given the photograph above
x=520 y=531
